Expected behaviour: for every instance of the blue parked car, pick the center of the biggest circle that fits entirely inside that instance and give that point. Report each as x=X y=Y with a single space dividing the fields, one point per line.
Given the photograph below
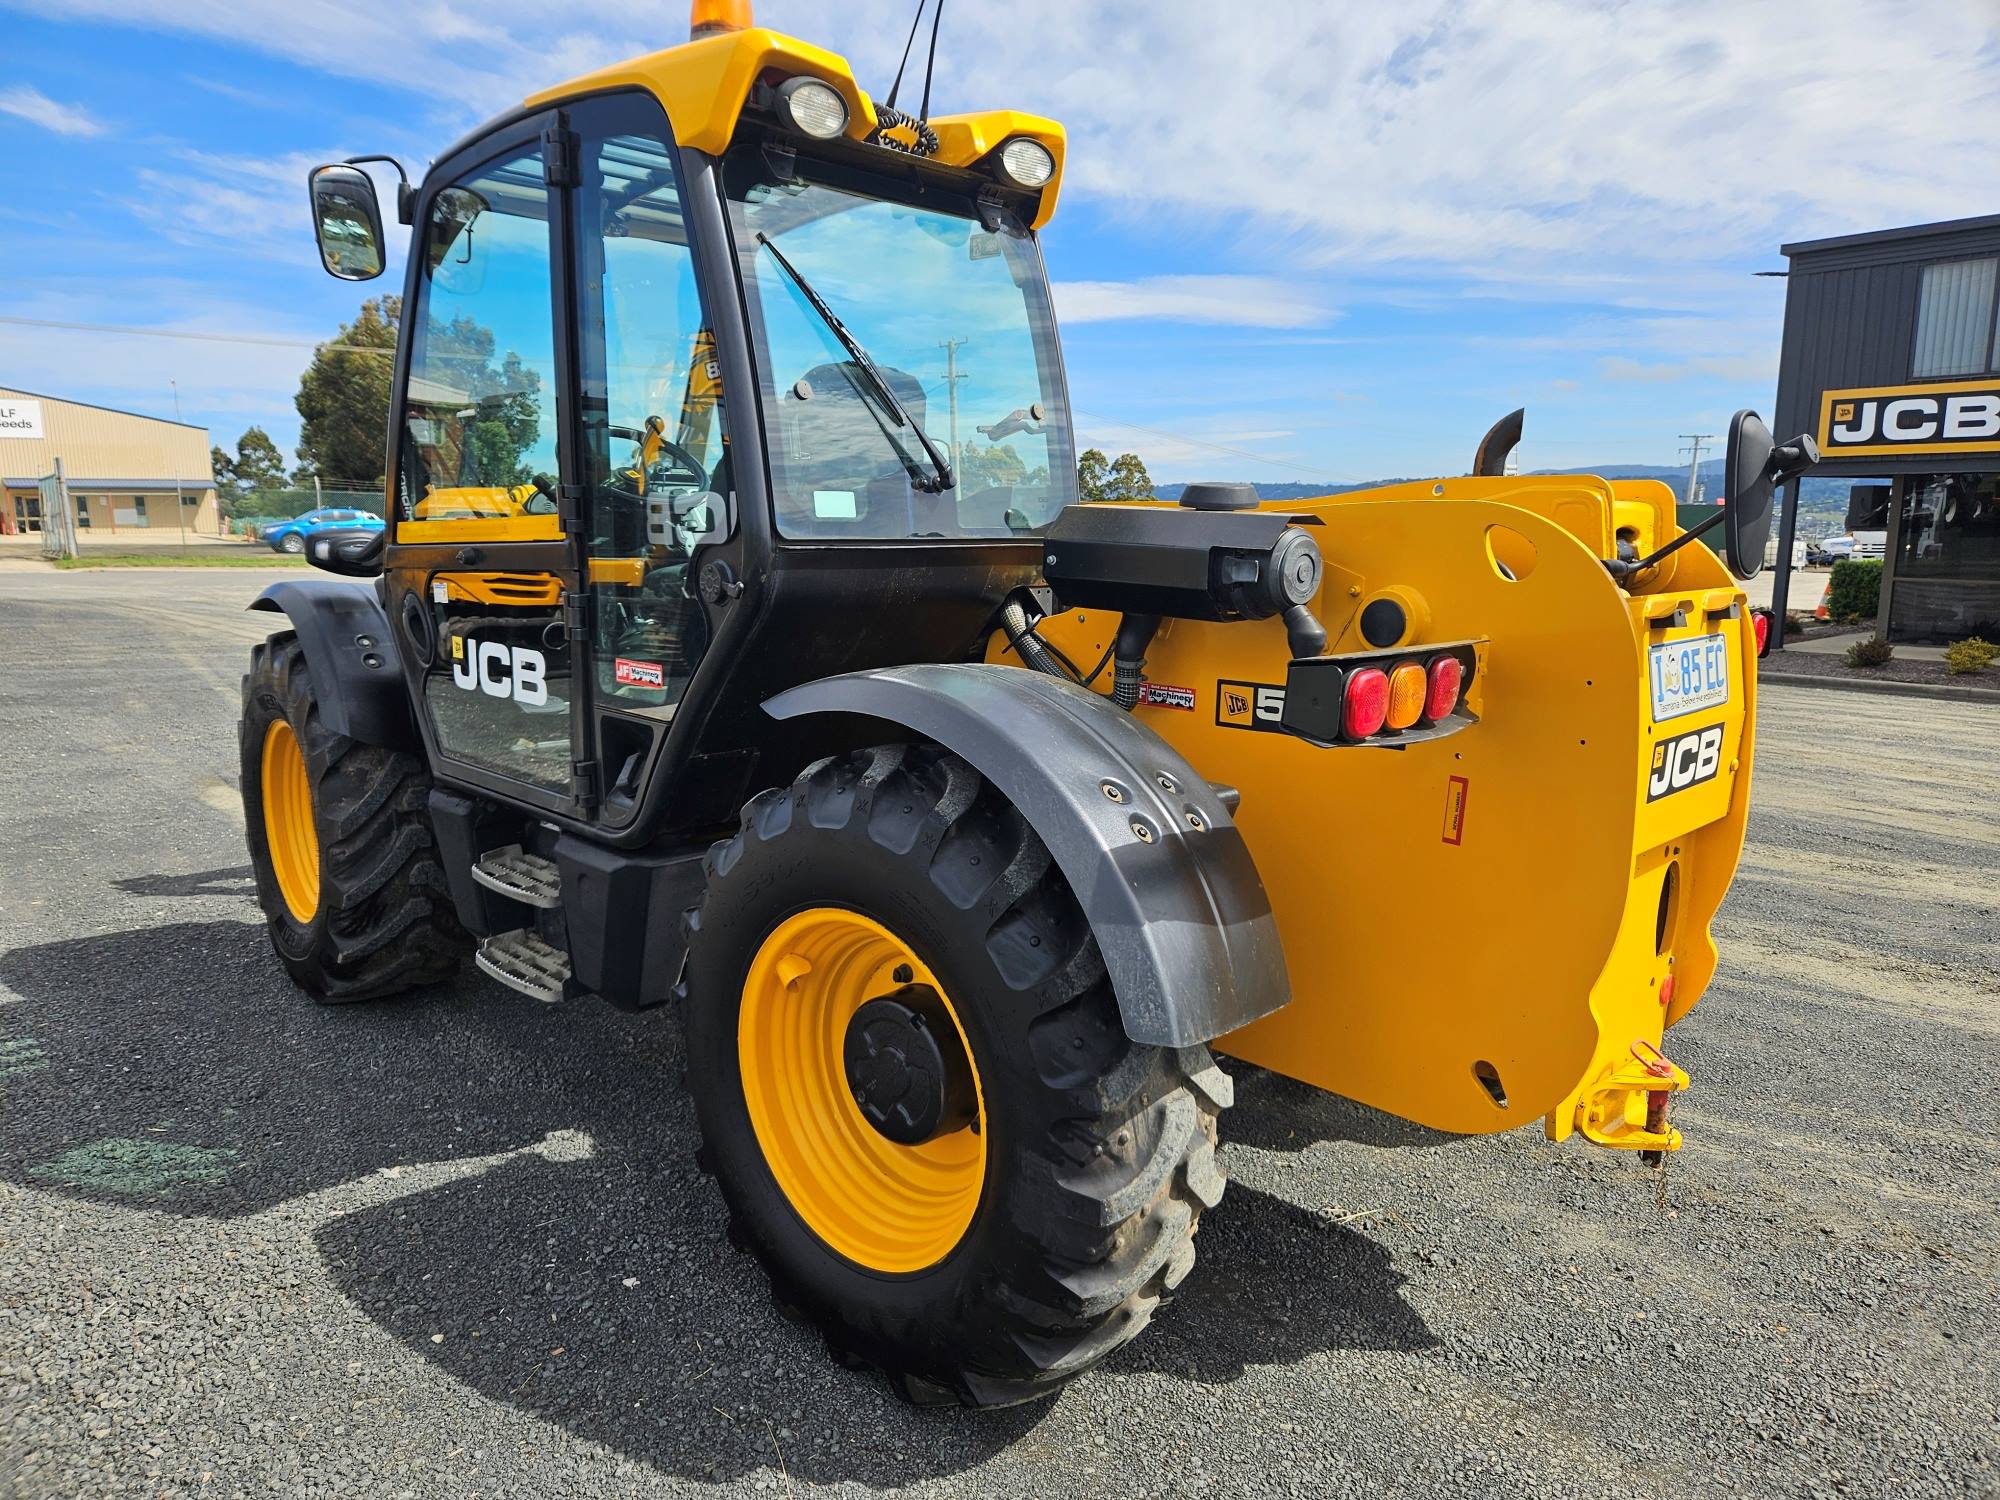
x=290 y=536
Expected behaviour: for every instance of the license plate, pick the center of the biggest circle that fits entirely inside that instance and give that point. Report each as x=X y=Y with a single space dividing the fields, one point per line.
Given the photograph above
x=1689 y=676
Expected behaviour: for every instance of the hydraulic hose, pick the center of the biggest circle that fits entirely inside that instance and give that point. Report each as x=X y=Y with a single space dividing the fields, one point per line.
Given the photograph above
x=1032 y=648
x=1128 y=661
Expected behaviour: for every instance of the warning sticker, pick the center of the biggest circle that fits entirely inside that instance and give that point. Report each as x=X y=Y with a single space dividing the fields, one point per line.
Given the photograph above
x=1455 y=788
x=639 y=673
x=1160 y=695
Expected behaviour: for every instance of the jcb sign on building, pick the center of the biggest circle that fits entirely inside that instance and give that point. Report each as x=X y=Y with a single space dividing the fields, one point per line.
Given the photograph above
x=1960 y=417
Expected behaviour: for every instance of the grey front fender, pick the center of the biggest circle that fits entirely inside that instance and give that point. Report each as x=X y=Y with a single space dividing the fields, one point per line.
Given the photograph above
x=352 y=654
x=1182 y=920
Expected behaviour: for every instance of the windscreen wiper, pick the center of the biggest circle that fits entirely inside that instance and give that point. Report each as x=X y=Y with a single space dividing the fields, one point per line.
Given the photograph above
x=935 y=483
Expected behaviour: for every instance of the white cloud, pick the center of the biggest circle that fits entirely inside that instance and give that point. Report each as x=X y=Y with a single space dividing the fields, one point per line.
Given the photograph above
x=32 y=105
x=1549 y=141
x=1236 y=301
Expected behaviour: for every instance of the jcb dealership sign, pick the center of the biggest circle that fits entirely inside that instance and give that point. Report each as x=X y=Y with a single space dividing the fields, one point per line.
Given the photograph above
x=1957 y=418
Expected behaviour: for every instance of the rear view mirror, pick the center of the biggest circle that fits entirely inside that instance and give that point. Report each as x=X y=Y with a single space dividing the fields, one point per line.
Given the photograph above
x=1754 y=467
x=346 y=550
x=348 y=222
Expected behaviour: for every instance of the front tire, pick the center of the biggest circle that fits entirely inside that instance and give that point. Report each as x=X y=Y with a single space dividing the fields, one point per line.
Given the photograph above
x=340 y=843
x=292 y=542
x=999 y=1259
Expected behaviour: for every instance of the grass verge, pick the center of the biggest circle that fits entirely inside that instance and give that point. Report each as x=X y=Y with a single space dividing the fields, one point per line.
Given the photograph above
x=263 y=558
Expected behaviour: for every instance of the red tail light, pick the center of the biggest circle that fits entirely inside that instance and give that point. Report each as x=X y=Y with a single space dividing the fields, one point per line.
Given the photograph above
x=1447 y=677
x=1762 y=623
x=1366 y=706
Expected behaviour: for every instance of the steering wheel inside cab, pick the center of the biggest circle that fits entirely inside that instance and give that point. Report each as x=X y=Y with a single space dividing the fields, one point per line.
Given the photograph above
x=659 y=461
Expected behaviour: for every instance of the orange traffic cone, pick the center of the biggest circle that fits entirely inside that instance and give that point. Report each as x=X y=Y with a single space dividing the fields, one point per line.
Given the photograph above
x=1822 y=612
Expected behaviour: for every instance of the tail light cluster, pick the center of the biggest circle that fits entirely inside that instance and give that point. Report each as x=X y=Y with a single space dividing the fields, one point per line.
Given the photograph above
x=1381 y=698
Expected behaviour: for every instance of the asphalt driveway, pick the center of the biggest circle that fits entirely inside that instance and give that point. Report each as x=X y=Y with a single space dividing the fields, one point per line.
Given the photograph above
x=455 y=1245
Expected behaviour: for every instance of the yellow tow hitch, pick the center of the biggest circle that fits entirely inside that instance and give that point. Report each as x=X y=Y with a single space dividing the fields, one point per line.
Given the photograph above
x=1627 y=1107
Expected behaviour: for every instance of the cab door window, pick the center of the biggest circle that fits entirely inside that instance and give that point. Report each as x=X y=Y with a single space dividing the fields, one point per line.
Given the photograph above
x=479 y=463
x=655 y=464
x=479 y=459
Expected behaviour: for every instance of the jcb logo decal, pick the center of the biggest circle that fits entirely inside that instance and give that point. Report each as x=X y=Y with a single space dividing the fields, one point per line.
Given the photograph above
x=499 y=671
x=1685 y=760
x=1963 y=417
x=1250 y=705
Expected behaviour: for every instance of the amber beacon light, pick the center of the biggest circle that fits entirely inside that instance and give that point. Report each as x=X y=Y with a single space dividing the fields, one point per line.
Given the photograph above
x=718 y=17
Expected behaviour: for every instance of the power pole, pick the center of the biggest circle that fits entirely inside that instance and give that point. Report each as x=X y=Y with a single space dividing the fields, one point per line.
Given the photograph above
x=1695 y=440
x=180 y=505
x=951 y=380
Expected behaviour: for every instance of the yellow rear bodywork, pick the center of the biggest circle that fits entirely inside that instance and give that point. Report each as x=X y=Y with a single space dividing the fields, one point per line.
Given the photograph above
x=1480 y=928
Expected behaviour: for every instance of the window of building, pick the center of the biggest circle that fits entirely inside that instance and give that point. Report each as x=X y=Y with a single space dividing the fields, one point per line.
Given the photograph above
x=1955 y=319
x=27 y=513
x=82 y=513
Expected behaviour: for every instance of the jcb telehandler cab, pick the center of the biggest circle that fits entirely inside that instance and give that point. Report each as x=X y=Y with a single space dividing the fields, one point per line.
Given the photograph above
x=737 y=642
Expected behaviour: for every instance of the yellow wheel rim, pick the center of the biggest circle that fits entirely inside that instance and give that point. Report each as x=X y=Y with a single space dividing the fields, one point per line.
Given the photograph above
x=884 y=1206
x=288 y=821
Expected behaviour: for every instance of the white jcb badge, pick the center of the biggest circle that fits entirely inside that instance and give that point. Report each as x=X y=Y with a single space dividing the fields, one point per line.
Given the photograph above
x=501 y=671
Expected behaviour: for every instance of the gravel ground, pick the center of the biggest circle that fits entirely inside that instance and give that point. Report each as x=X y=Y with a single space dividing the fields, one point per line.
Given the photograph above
x=455 y=1246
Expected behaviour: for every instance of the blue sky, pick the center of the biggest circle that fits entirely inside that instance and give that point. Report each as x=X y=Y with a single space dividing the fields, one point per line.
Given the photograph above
x=1303 y=242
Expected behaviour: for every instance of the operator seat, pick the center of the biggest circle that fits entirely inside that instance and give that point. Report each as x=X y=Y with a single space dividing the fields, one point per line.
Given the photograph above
x=835 y=440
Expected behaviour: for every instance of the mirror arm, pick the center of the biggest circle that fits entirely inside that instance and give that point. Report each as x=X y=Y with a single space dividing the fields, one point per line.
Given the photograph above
x=406 y=195
x=1621 y=570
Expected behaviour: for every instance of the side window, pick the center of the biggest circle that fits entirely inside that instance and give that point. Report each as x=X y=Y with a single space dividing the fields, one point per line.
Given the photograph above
x=1955 y=319
x=655 y=464
x=479 y=424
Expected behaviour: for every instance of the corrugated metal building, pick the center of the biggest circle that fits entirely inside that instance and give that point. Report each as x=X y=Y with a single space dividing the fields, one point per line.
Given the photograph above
x=1892 y=361
x=134 y=477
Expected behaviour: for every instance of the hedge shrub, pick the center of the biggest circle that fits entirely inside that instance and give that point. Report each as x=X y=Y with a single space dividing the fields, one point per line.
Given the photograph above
x=1869 y=653
x=1857 y=586
x=1969 y=655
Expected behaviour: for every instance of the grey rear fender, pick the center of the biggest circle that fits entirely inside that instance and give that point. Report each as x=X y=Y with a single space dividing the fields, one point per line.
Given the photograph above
x=352 y=654
x=1178 y=910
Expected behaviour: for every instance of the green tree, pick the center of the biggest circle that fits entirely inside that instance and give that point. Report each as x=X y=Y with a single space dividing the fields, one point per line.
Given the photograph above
x=1129 y=479
x=343 y=401
x=227 y=490
x=991 y=468
x=1093 y=472
x=258 y=464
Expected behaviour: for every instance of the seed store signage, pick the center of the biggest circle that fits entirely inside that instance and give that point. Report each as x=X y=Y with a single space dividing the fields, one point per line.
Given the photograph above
x=20 y=419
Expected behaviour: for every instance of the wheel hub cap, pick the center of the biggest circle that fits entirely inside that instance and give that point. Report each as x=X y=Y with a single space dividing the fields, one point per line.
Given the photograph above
x=907 y=1067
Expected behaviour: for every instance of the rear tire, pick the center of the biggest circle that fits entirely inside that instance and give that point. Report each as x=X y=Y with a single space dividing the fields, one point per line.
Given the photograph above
x=358 y=906
x=1098 y=1153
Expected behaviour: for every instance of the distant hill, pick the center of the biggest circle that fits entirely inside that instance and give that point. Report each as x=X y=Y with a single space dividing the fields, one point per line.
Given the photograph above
x=1822 y=502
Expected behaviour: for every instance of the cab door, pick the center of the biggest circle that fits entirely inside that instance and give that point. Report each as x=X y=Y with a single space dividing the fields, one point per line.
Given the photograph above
x=484 y=548
x=654 y=464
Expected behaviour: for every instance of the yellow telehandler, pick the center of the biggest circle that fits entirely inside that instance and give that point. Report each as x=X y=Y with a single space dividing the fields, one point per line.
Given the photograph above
x=737 y=643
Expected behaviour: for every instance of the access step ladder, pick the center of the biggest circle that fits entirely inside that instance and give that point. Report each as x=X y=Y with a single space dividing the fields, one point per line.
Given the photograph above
x=527 y=878
x=522 y=961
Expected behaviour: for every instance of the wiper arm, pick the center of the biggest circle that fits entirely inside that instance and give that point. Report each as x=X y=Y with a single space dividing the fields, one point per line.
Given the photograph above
x=931 y=484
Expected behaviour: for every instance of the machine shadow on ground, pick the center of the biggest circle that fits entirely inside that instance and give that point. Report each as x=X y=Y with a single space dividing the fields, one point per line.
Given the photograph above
x=1275 y=1113
x=184 y=1074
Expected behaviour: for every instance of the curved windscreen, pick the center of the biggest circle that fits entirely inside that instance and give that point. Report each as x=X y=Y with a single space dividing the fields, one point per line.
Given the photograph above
x=958 y=362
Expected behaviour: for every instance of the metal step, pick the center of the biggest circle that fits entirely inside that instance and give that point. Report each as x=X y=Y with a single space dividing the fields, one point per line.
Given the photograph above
x=522 y=961
x=522 y=876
